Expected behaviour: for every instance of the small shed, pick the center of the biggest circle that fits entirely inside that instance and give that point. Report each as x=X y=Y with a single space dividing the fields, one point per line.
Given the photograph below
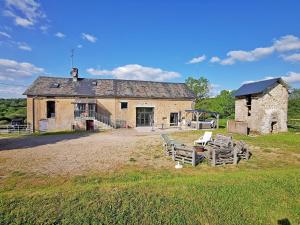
x=261 y=107
x=196 y=121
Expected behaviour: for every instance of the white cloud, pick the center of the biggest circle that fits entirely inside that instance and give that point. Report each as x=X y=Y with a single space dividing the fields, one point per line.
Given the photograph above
x=292 y=58
x=287 y=43
x=290 y=77
x=12 y=70
x=215 y=59
x=79 y=46
x=44 y=28
x=11 y=91
x=24 y=46
x=25 y=13
x=4 y=34
x=198 y=59
x=60 y=35
x=246 y=56
x=214 y=90
x=283 y=44
x=89 y=37
x=136 y=72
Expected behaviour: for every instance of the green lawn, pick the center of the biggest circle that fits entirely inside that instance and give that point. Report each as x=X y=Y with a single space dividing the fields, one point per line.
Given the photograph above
x=262 y=191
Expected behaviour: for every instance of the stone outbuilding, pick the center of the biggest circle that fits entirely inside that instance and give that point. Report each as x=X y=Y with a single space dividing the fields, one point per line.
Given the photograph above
x=261 y=107
x=56 y=103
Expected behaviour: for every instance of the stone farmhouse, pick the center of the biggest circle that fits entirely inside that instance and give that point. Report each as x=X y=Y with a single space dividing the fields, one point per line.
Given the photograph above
x=261 y=107
x=55 y=103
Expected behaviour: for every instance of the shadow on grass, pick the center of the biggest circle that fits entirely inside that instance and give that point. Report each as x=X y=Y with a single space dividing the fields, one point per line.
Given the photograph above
x=38 y=140
x=284 y=221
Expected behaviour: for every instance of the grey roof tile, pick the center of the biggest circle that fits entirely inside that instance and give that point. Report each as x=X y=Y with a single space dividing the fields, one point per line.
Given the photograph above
x=257 y=87
x=43 y=86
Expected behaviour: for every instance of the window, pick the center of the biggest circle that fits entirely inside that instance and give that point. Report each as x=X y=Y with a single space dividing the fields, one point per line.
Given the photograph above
x=50 y=109
x=80 y=107
x=124 y=105
x=248 y=103
x=55 y=85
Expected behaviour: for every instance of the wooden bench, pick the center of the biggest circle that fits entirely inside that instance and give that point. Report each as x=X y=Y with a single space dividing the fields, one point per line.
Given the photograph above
x=242 y=150
x=168 y=144
x=221 y=151
x=222 y=141
x=224 y=151
x=186 y=154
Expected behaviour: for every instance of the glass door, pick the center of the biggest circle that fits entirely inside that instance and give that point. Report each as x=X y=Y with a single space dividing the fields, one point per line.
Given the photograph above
x=144 y=116
x=173 y=119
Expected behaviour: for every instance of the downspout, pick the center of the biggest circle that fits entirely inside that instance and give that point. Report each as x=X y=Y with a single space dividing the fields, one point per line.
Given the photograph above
x=33 y=117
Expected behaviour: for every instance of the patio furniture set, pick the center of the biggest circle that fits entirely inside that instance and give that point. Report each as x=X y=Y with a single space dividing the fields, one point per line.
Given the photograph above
x=218 y=151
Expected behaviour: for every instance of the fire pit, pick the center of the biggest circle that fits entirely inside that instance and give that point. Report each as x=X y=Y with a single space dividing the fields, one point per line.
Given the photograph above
x=199 y=149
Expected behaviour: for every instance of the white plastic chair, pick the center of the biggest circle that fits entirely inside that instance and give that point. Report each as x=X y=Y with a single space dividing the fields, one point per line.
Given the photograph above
x=204 y=139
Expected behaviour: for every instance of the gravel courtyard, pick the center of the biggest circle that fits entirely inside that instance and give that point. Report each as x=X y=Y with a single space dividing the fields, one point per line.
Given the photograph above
x=78 y=153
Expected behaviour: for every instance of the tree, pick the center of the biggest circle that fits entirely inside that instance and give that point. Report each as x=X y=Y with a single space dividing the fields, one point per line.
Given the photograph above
x=295 y=94
x=200 y=87
x=222 y=103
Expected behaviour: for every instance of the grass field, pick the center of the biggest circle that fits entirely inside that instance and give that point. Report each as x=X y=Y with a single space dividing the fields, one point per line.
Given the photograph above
x=265 y=190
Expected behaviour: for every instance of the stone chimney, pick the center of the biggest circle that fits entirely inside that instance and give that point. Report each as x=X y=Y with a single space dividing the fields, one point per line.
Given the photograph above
x=74 y=74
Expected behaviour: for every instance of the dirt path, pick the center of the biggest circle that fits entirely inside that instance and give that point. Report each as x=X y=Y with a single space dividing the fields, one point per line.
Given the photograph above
x=79 y=153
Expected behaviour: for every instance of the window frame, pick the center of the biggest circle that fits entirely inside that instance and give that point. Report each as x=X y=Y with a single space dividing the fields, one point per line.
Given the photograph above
x=50 y=110
x=122 y=107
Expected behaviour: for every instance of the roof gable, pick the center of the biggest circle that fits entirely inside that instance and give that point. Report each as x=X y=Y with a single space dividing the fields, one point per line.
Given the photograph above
x=258 y=87
x=43 y=86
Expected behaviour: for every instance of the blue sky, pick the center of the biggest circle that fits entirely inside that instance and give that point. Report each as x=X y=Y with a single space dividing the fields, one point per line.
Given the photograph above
x=229 y=42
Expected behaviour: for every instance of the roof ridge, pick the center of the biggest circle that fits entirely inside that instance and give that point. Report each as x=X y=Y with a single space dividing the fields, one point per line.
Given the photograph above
x=87 y=78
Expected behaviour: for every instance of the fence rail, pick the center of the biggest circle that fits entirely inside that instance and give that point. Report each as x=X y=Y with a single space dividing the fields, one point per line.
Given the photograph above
x=20 y=129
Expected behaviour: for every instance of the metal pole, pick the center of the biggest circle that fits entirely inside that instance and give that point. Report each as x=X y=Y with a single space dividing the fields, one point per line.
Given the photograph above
x=198 y=121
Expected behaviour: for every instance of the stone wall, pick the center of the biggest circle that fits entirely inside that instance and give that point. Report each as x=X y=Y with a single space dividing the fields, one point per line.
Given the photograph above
x=162 y=109
x=238 y=127
x=270 y=107
x=64 y=111
x=275 y=105
x=241 y=111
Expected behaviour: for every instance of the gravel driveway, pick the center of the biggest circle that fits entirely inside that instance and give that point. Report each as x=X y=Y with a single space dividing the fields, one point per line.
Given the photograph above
x=78 y=153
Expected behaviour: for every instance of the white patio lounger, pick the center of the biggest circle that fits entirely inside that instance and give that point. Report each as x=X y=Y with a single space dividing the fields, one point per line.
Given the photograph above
x=204 y=139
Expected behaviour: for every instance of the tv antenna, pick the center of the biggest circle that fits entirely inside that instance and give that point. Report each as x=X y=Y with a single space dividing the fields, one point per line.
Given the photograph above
x=72 y=57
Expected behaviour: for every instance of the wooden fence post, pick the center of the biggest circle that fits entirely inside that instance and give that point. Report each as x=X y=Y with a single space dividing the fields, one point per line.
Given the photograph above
x=173 y=152
x=194 y=157
x=213 y=152
x=235 y=157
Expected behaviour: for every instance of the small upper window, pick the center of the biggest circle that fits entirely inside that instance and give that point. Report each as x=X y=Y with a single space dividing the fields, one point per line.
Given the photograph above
x=50 y=109
x=124 y=105
x=55 y=85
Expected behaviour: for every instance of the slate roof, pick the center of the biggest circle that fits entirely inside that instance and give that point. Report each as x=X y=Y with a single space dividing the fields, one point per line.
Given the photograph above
x=258 y=87
x=84 y=87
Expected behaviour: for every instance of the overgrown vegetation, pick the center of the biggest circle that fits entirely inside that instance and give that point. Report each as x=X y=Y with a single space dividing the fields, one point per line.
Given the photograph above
x=222 y=103
x=12 y=109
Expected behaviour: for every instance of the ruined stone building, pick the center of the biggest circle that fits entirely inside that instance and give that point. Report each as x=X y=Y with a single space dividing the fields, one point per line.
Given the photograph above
x=261 y=107
x=55 y=103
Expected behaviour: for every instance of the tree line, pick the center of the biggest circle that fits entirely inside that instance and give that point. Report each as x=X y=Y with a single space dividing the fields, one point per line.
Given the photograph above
x=12 y=109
